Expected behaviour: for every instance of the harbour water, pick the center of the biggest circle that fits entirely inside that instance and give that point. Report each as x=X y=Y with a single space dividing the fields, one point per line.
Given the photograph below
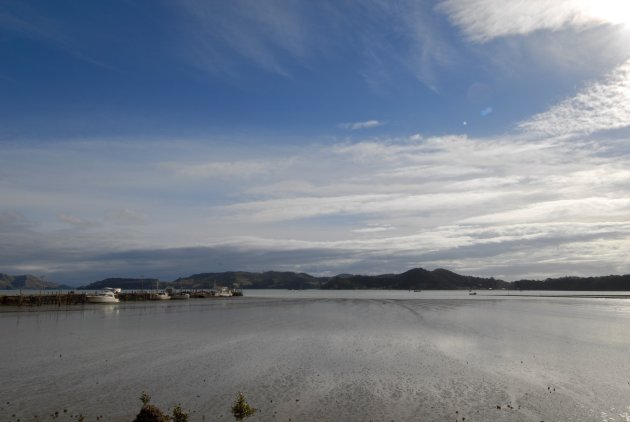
x=325 y=355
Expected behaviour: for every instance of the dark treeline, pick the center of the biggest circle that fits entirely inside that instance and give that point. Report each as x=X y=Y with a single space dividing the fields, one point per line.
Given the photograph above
x=414 y=279
x=606 y=283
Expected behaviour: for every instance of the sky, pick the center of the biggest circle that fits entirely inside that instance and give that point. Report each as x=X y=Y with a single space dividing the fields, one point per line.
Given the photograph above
x=162 y=139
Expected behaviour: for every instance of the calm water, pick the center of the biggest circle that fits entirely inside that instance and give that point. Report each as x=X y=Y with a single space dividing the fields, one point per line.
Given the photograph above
x=312 y=355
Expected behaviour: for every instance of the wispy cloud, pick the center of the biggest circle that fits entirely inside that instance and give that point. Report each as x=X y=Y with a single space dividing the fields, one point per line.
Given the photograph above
x=382 y=38
x=368 y=124
x=373 y=229
x=74 y=220
x=484 y=20
x=600 y=106
x=128 y=216
x=268 y=33
x=220 y=169
x=403 y=203
x=420 y=48
x=12 y=219
x=31 y=22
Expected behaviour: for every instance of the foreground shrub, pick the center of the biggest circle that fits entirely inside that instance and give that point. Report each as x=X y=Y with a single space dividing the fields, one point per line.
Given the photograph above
x=179 y=415
x=150 y=413
x=241 y=409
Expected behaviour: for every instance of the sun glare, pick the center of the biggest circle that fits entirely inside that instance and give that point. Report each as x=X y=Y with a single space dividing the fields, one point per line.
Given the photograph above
x=612 y=11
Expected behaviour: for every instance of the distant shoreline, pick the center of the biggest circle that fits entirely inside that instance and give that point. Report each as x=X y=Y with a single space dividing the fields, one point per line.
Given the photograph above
x=413 y=279
x=607 y=296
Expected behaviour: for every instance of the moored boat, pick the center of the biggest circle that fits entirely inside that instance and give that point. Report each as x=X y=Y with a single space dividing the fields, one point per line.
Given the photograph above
x=159 y=295
x=108 y=295
x=223 y=292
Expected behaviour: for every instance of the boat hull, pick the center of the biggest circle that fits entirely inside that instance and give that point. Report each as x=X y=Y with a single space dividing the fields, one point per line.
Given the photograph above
x=102 y=299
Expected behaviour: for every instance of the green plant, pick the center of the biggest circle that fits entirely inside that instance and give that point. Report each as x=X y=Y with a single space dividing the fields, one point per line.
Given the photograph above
x=241 y=409
x=145 y=398
x=179 y=415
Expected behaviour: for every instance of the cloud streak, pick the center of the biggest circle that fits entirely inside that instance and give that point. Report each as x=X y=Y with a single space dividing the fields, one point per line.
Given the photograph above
x=600 y=106
x=73 y=220
x=32 y=23
x=368 y=124
x=267 y=33
x=484 y=20
x=277 y=37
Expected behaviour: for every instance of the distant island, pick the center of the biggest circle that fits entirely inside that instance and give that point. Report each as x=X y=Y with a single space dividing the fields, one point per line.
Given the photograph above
x=414 y=279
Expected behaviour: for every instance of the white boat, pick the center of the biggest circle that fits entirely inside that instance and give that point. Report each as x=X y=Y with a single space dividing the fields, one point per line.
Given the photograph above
x=108 y=295
x=223 y=292
x=157 y=295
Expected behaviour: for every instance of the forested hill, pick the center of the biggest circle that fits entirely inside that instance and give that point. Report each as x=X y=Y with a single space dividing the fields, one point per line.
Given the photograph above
x=606 y=283
x=413 y=279
x=416 y=278
x=127 y=284
x=265 y=280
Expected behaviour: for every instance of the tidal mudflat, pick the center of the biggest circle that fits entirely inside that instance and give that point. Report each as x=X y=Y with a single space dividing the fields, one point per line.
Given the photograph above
x=338 y=356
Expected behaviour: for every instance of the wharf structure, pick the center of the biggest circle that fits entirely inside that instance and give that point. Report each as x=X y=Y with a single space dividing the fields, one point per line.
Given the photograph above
x=46 y=297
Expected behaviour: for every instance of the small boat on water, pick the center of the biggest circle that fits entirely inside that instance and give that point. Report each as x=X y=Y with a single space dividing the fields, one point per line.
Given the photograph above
x=159 y=295
x=108 y=295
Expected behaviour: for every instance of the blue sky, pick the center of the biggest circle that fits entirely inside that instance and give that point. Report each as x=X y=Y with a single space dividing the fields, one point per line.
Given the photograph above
x=167 y=138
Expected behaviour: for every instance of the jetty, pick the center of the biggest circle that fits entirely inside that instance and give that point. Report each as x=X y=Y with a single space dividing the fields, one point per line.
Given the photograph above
x=59 y=298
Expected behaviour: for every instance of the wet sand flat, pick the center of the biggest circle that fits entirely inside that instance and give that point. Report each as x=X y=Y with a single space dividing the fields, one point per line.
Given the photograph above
x=357 y=357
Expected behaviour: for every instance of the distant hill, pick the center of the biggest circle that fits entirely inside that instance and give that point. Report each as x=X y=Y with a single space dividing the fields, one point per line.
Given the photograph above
x=266 y=280
x=414 y=279
x=27 y=282
x=417 y=278
x=126 y=283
